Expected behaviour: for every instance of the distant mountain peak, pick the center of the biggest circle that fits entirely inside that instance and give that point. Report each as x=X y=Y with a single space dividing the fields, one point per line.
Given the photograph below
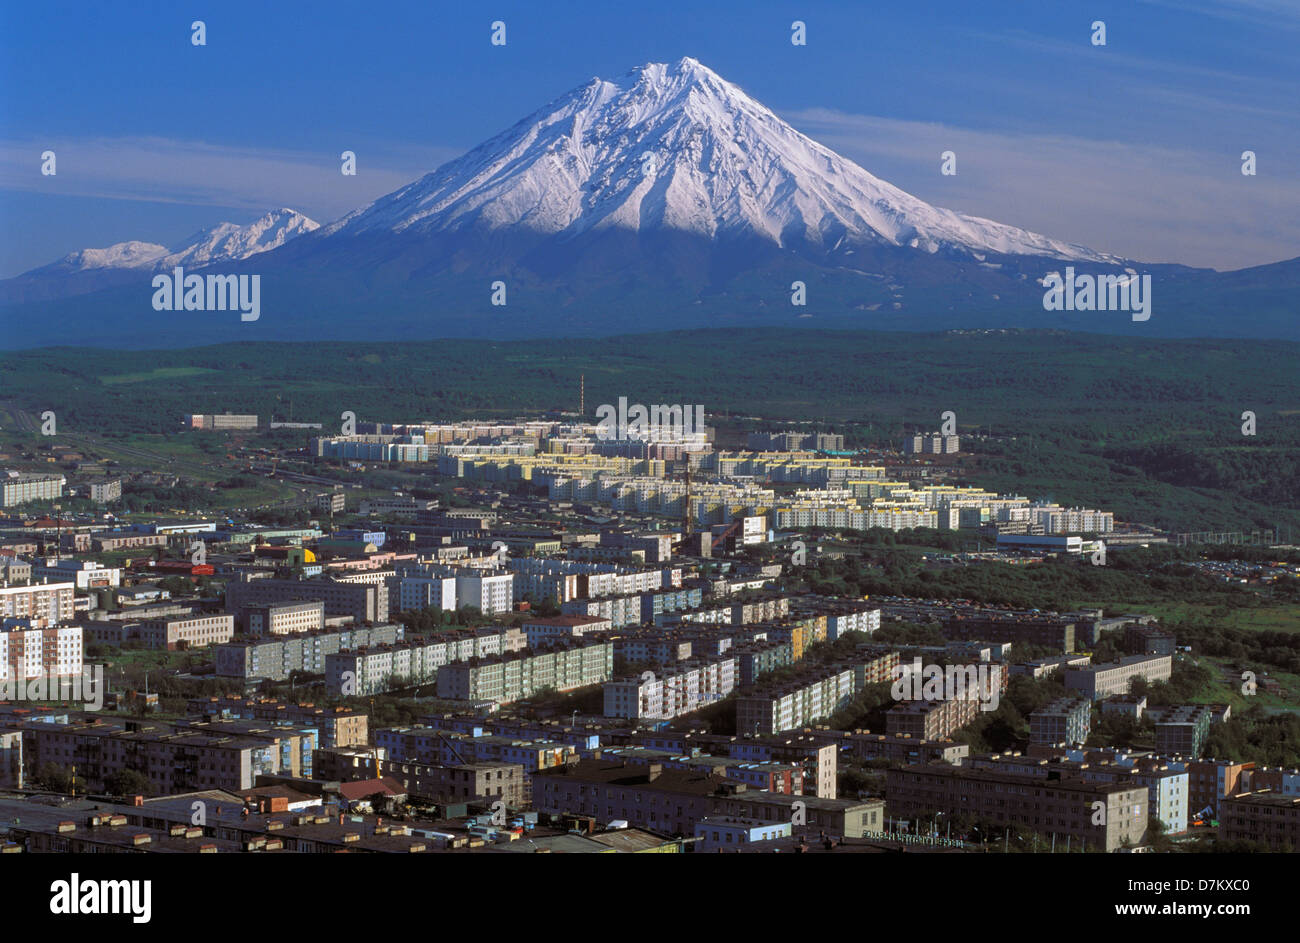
x=674 y=146
x=224 y=242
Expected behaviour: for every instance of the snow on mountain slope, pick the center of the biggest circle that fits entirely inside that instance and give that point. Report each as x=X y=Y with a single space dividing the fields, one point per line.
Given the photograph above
x=221 y=243
x=674 y=146
x=230 y=242
x=121 y=255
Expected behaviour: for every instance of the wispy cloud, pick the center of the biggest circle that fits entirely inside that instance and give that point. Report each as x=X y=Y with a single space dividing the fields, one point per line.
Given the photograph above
x=1146 y=202
x=161 y=170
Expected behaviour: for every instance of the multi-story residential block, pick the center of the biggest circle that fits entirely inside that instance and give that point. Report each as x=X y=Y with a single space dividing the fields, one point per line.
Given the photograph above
x=1266 y=817
x=363 y=602
x=1066 y=720
x=425 y=592
x=14 y=571
x=490 y=592
x=283 y=618
x=503 y=678
x=1181 y=730
x=104 y=492
x=190 y=632
x=84 y=574
x=1061 y=807
x=339 y=726
x=1149 y=640
x=931 y=720
x=1167 y=788
x=932 y=444
x=898 y=748
x=219 y=421
x=676 y=690
x=543 y=631
x=372 y=670
x=482 y=782
x=46 y=604
x=18 y=489
x=431 y=744
x=1029 y=630
x=277 y=658
x=172 y=760
x=675 y=800
x=786 y=706
x=1099 y=681
x=28 y=652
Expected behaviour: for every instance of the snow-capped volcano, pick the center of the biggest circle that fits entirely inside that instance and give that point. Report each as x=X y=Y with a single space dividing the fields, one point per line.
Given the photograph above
x=665 y=199
x=232 y=242
x=224 y=242
x=676 y=147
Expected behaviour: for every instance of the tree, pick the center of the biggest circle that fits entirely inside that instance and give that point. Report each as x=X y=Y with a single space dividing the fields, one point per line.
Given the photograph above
x=127 y=782
x=53 y=778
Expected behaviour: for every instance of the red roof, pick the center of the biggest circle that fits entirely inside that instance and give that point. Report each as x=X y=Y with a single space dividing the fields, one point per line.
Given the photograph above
x=364 y=788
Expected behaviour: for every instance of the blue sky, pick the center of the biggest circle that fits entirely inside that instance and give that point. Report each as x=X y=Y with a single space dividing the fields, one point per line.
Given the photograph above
x=1132 y=148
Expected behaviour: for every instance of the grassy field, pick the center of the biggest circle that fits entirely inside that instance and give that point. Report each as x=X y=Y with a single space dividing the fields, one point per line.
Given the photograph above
x=1267 y=618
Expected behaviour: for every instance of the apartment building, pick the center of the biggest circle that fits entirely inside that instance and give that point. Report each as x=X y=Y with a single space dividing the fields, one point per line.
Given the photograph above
x=1105 y=680
x=430 y=744
x=372 y=670
x=932 y=444
x=110 y=541
x=425 y=592
x=221 y=421
x=771 y=709
x=1046 y=631
x=504 y=678
x=192 y=632
x=46 y=604
x=1167 y=788
x=172 y=760
x=365 y=603
x=470 y=782
x=283 y=618
x=676 y=690
x=1061 y=807
x=1181 y=730
x=106 y=491
x=27 y=652
x=543 y=631
x=902 y=748
x=338 y=727
x=18 y=489
x=490 y=592
x=278 y=657
x=675 y=800
x=1266 y=817
x=931 y=720
x=1066 y=720
x=653 y=646
x=83 y=574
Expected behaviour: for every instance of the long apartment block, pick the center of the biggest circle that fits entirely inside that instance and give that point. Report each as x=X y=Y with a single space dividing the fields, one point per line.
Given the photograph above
x=365 y=671
x=508 y=677
x=1062 y=807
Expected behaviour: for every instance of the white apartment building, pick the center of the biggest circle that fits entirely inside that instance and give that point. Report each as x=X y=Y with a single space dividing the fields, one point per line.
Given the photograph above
x=85 y=574
x=46 y=604
x=17 y=489
x=663 y=695
x=426 y=592
x=40 y=652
